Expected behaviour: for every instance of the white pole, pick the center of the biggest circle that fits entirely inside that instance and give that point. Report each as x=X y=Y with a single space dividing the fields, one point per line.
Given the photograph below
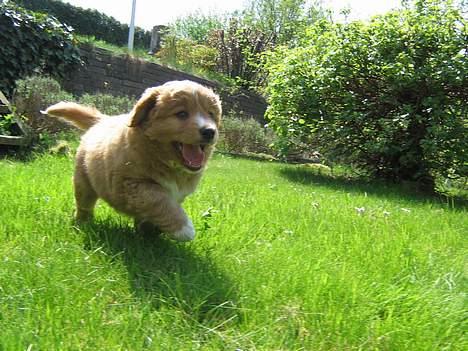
x=131 y=32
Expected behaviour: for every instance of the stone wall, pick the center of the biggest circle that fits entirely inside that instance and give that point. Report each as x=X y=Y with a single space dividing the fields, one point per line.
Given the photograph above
x=124 y=75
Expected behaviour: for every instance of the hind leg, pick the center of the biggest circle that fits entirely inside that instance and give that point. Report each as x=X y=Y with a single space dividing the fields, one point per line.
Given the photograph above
x=85 y=196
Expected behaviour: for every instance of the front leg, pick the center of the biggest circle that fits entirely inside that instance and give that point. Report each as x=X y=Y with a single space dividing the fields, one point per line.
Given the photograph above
x=149 y=202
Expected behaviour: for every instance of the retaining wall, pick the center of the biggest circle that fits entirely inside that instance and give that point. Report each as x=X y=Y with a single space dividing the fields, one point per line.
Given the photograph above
x=123 y=75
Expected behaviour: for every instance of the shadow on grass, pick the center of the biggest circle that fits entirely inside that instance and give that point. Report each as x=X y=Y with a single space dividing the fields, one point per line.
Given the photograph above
x=168 y=273
x=361 y=185
x=15 y=153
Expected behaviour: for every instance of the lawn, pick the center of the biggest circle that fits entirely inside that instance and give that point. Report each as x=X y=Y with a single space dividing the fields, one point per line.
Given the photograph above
x=284 y=259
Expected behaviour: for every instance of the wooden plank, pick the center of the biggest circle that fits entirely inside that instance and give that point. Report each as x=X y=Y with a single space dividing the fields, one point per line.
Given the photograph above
x=23 y=127
x=3 y=99
x=12 y=140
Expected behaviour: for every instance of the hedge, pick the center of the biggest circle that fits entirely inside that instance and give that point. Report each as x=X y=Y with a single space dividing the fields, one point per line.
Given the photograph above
x=33 y=43
x=89 y=22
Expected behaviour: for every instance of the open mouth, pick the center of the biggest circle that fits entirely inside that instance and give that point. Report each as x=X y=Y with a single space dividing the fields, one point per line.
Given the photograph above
x=193 y=156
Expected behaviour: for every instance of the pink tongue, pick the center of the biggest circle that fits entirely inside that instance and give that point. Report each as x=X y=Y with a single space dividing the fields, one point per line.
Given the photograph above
x=193 y=155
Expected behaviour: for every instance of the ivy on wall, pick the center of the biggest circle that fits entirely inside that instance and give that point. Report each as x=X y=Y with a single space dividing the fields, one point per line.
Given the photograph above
x=33 y=43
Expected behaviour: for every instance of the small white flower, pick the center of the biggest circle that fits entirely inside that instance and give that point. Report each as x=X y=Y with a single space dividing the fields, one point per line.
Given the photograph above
x=148 y=341
x=360 y=210
x=407 y=210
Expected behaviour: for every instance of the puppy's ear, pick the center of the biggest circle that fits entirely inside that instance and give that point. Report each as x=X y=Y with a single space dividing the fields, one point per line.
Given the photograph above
x=143 y=107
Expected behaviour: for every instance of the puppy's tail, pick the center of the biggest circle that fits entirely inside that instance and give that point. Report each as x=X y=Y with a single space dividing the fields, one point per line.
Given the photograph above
x=83 y=117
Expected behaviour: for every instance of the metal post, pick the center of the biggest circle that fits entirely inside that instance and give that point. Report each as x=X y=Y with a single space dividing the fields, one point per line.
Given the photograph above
x=131 y=32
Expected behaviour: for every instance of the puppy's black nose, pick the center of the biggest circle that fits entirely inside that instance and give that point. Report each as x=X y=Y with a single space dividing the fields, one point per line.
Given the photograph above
x=207 y=133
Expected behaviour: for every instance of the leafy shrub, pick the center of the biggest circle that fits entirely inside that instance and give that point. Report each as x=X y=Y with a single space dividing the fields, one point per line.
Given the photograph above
x=239 y=48
x=108 y=104
x=214 y=43
x=232 y=45
x=89 y=22
x=36 y=93
x=190 y=55
x=388 y=96
x=197 y=26
x=6 y=123
x=31 y=43
x=243 y=40
x=242 y=135
x=284 y=21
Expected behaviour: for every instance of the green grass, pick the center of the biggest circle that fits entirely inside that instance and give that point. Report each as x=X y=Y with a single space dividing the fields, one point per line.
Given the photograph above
x=285 y=259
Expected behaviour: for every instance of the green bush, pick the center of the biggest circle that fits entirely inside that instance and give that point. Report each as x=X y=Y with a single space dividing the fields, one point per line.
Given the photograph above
x=197 y=26
x=190 y=55
x=387 y=96
x=89 y=22
x=6 y=124
x=108 y=104
x=244 y=135
x=36 y=93
x=33 y=43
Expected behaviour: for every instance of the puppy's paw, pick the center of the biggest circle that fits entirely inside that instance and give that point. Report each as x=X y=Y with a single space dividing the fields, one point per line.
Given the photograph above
x=186 y=233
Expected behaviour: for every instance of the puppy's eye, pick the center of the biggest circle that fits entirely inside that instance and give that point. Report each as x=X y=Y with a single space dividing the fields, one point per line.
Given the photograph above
x=212 y=115
x=182 y=114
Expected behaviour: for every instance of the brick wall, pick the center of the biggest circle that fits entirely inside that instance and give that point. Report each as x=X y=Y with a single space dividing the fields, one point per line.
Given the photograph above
x=123 y=75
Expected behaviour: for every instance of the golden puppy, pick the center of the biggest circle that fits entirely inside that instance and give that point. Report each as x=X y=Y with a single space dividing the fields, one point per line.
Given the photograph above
x=146 y=162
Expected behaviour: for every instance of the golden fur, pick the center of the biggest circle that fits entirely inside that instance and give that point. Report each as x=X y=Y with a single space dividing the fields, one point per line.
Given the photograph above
x=146 y=162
